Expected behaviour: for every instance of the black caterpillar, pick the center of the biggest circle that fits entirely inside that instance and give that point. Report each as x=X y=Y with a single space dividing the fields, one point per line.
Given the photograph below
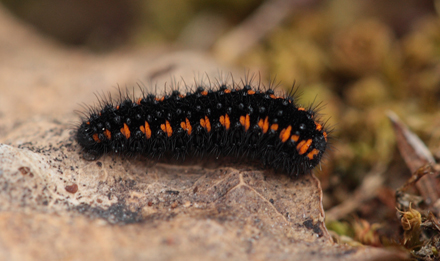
x=230 y=119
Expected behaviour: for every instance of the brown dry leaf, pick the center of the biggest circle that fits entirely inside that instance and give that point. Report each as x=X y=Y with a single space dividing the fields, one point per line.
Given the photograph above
x=56 y=205
x=419 y=160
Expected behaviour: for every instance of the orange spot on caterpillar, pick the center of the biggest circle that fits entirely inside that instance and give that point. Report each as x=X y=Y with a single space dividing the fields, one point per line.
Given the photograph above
x=273 y=96
x=95 y=137
x=138 y=102
x=245 y=121
x=285 y=133
x=88 y=123
x=318 y=126
x=295 y=138
x=167 y=128
x=146 y=130
x=312 y=154
x=208 y=124
x=227 y=91
x=274 y=127
x=301 y=109
x=227 y=122
x=264 y=125
x=224 y=121
x=242 y=120
x=108 y=134
x=125 y=131
x=204 y=93
x=251 y=92
x=248 y=122
x=303 y=146
x=160 y=99
x=325 y=135
x=205 y=123
x=188 y=126
x=117 y=107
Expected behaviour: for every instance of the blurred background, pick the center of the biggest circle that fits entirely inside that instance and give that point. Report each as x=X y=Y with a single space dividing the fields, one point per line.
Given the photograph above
x=361 y=59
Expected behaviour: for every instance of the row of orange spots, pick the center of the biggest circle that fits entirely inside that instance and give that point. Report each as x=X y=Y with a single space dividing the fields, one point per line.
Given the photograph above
x=146 y=130
x=205 y=123
x=186 y=125
x=167 y=128
x=245 y=121
x=303 y=146
x=264 y=125
x=125 y=131
x=225 y=122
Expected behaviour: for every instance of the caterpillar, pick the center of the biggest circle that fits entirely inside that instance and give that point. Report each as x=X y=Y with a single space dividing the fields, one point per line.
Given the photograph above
x=230 y=119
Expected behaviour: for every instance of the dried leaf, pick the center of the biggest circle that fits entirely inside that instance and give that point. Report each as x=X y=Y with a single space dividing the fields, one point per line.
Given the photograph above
x=416 y=155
